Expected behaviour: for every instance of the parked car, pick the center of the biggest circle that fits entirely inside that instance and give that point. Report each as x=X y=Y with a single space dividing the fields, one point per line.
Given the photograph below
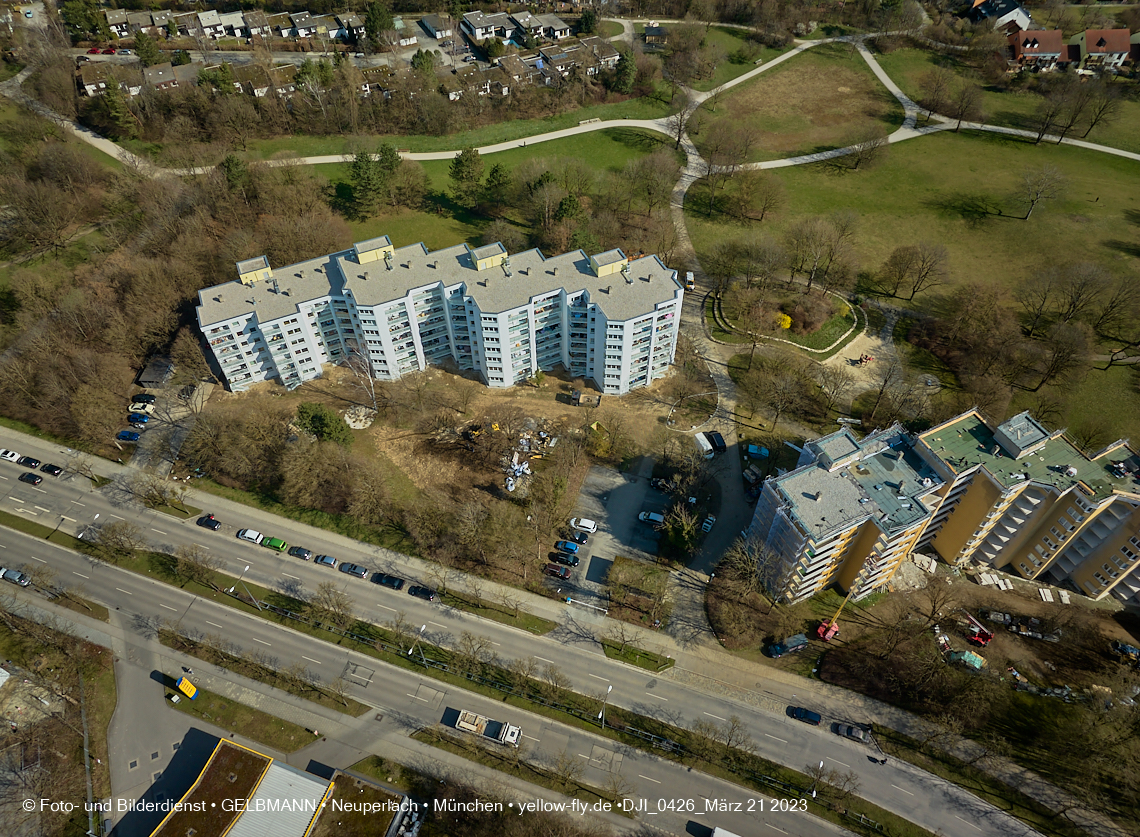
x=425 y=593
x=210 y=522
x=124 y=52
x=28 y=462
x=325 y=561
x=276 y=544
x=557 y=571
x=567 y=546
x=385 y=580
x=30 y=478
x=716 y=440
x=582 y=524
x=567 y=559
x=138 y=418
x=300 y=552
x=652 y=518
x=29 y=13
x=251 y=535
x=710 y=521
x=798 y=642
x=15 y=576
x=353 y=569
x=805 y=715
x=9 y=455
x=109 y=51
x=93 y=51
x=854 y=733
x=690 y=283
x=54 y=470
x=127 y=436
x=142 y=407
x=579 y=538
x=143 y=398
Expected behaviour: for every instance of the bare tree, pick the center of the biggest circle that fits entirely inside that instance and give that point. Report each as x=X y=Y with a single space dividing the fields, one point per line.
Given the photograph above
x=1066 y=352
x=358 y=361
x=678 y=123
x=119 y=540
x=868 y=148
x=834 y=382
x=197 y=565
x=1039 y=185
x=332 y=606
x=1082 y=285
x=472 y=651
x=1104 y=107
x=935 y=87
x=965 y=104
x=889 y=373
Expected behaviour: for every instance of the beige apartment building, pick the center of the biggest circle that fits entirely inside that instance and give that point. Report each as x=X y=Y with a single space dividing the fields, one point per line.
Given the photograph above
x=1015 y=497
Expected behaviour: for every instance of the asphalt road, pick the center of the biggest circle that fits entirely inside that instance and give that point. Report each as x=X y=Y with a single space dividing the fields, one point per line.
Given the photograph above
x=73 y=504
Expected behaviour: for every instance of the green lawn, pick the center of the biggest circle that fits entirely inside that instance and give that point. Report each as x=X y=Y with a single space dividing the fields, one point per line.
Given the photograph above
x=733 y=40
x=956 y=189
x=816 y=101
x=608 y=29
x=505 y=131
x=1011 y=108
x=607 y=150
x=283 y=736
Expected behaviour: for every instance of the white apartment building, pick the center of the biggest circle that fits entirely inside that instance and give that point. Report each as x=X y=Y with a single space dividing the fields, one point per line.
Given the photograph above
x=601 y=317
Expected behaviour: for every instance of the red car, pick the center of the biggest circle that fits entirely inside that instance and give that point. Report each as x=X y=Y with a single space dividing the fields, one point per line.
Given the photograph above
x=109 y=51
x=93 y=51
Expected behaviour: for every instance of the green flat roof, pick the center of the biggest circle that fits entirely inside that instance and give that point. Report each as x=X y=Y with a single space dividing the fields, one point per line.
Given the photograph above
x=968 y=442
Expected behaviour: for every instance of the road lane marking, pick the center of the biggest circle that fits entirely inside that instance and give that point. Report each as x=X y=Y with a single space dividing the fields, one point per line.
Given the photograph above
x=121 y=590
x=310 y=659
x=711 y=715
x=649 y=779
x=41 y=490
x=115 y=516
x=417 y=697
x=215 y=624
x=16 y=499
x=967 y=822
x=79 y=503
x=544 y=660
x=437 y=624
x=168 y=607
x=583 y=756
x=532 y=738
x=496 y=643
x=387 y=608
x=262 y=641
x=34 y=558
x=837 y=761
x=159 y=531
x=600 y=678
x=904 y=790
x=774 y=827
x=294 y=577
x=41 y=508
x=774 y=738
x=657 y=697
x=65 y=517
x=81 y=575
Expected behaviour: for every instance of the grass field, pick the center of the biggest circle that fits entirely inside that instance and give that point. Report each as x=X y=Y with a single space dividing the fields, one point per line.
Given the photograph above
x=283 y=736
x=1012 y=108
x=443 y=223
x=813 y=102
x=732 y=40
x=957 y=190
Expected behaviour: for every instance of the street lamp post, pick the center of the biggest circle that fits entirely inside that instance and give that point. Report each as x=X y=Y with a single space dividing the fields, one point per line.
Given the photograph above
x=417 y=642
x=243 y=587
x=605 y=700
x=816 y=782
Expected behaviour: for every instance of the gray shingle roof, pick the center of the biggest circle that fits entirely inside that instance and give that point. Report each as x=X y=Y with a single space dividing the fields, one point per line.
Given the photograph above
x=301 y=794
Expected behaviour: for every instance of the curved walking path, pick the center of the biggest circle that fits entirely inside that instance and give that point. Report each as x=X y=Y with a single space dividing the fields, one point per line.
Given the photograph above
x=688 y=587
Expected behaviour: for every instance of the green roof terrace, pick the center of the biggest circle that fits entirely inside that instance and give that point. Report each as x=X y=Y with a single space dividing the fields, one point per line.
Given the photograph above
x=1047 y=458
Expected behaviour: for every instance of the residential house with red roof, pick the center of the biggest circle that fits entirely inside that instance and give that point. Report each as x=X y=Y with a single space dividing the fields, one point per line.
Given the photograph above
x=1102 y=48
x=1041 y=48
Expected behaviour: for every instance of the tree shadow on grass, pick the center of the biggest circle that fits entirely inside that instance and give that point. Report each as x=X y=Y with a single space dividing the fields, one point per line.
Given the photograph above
x=1132 y=216
x=637 y=140
x=1128 y=248
x=973 y=208
x=341 y=200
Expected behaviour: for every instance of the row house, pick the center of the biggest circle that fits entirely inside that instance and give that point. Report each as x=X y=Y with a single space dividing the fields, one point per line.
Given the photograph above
x=233 y=24
x=257 y=24
x=483 y=27
x=1006 y=15
x=118 y=22
x=1039 y=48
x=351 y=27
x=438 y=26
x=396 y=311
x=1102 y=49
x=94 y=79
x=167 y=76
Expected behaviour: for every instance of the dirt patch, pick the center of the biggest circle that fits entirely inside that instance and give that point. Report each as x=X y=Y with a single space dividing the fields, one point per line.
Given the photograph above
x=818 y=102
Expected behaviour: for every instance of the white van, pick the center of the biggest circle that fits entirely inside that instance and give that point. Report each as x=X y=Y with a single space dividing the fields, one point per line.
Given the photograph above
x=651 y=517
x=704 y=446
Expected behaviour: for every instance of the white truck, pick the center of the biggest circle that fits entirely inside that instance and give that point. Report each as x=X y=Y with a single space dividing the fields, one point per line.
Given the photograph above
x=720 y=832
x=499 y=731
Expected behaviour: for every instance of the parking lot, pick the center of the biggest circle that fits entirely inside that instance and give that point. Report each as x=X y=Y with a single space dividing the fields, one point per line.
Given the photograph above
x=614 y=500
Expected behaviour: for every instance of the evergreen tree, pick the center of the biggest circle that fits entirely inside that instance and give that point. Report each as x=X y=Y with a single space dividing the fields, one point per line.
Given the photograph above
x=467 y=177
x=423 y=62
x=625 y=73
x=147 y=50
x=498 y=182
x=378 y=20
x=324 y=422
x=371 y=178
x=588 y=22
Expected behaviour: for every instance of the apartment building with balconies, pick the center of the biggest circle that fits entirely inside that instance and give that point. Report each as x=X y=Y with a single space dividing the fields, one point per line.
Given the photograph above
x=848 y=514
x=396 y=311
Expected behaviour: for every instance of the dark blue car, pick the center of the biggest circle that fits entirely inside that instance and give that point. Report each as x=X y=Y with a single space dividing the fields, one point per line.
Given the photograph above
x=127 y=436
